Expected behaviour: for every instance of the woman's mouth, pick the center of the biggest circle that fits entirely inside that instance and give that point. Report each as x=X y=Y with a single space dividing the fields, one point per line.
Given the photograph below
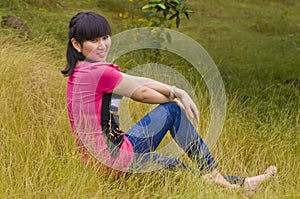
x=102 y=53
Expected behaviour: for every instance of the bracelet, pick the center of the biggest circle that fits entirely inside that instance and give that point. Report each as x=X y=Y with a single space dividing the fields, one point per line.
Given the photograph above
x=172 y=93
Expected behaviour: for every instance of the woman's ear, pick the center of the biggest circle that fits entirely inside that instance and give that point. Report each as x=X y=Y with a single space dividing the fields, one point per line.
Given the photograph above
x=76 y=45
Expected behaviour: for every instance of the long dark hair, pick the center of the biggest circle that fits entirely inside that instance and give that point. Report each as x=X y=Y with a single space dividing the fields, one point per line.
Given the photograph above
x=83 y=26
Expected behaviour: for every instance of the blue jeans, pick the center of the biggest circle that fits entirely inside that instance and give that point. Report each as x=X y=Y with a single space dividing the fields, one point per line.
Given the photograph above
x=147 y=134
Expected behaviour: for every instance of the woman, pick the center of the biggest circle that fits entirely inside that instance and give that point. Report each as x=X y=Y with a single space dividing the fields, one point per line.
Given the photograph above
x=93 y=85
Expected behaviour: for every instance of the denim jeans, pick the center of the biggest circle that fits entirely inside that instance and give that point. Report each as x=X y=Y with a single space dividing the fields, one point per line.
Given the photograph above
x=147 y=134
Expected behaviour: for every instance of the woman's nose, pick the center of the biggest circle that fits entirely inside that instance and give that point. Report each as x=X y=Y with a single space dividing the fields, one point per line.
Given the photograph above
x=101 y=44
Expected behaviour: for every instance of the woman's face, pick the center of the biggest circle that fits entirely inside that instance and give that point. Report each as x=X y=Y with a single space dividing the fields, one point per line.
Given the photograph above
x=97 y=49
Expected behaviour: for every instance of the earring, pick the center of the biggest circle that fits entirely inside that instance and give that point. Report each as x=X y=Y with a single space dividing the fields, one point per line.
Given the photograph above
x=79 y=50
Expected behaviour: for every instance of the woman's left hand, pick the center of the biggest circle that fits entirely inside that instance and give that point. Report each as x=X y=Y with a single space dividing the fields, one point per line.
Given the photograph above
x=187 y=104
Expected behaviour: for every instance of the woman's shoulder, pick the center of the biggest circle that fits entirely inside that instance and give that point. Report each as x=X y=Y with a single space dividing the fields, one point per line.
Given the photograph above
x=96 y=72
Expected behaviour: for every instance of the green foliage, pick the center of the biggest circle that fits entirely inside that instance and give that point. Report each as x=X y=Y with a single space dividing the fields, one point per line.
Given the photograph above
x=171 y=9
x=154 y=13
x=134 y=17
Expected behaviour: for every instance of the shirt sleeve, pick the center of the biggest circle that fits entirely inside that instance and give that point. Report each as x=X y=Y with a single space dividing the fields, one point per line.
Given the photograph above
x=109 y=79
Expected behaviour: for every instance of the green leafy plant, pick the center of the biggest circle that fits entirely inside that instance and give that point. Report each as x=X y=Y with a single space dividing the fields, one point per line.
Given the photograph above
x=171 y=9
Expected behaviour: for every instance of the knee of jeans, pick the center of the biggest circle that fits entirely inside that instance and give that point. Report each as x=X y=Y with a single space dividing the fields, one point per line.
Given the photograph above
x=172 y=107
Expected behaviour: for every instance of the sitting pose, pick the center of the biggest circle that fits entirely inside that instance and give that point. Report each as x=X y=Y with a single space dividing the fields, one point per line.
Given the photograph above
x=93 y=87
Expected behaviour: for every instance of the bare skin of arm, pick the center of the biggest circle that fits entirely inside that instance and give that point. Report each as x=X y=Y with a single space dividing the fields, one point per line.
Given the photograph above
x=128 y=87
x=186 y=103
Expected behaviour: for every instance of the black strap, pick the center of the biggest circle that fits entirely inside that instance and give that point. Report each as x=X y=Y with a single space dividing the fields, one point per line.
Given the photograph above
x=113 y=135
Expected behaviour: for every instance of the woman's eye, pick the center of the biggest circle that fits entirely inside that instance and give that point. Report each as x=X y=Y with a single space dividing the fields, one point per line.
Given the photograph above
x=105 y=37
x=94 y=40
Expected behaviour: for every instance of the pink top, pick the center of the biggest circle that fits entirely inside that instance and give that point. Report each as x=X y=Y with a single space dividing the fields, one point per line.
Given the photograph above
x=85 y=89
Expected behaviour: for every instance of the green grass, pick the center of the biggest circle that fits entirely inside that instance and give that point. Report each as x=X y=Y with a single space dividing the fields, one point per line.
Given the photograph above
x=256 y=46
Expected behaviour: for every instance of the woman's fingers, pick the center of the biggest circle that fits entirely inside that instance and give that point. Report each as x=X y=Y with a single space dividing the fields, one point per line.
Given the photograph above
x=194 y=111
x=180 y=104
x=191 y=109
x=188 y=105
x=185 y=108
x=196 y=114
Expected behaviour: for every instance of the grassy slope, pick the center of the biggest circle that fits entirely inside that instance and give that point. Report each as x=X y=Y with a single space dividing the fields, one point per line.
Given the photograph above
x=256 y=47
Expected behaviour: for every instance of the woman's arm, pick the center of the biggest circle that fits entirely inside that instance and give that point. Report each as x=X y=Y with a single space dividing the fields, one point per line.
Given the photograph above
x=151 y=91
x=128 y=87
x=186 y=101
x=153 y=84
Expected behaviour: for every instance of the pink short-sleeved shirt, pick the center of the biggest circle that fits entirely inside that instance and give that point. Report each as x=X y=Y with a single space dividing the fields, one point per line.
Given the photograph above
x=85 y=89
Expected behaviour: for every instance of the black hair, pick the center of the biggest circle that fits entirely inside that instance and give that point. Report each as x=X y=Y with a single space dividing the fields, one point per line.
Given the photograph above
x=83 y=26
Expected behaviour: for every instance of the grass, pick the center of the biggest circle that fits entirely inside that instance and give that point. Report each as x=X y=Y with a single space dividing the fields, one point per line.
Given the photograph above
x=256 y=46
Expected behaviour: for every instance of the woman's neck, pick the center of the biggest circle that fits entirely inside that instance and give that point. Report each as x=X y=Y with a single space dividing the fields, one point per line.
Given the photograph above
x=88 y=60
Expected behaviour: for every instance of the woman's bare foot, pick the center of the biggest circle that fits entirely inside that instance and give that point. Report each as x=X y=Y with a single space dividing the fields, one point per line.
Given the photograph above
x=216 y=177
x=252 y=183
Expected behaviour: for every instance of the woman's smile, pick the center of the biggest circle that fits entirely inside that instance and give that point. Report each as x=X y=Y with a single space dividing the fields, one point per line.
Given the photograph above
x=97 y=49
